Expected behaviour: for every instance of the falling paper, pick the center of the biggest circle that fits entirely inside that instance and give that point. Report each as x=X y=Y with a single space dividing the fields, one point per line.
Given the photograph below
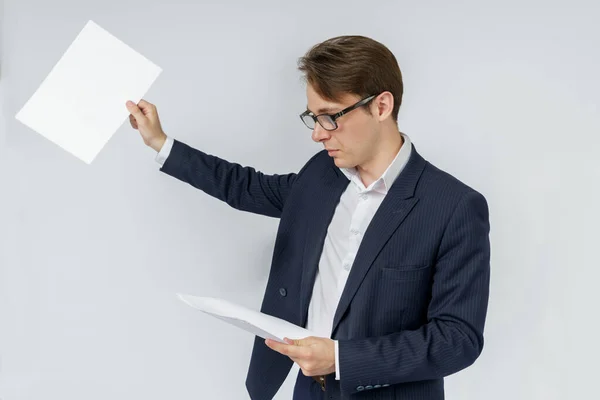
x=81 y=103
x=262 y=325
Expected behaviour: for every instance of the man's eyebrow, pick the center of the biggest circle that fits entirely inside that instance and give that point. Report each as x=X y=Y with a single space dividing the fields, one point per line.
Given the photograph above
x=328 y=110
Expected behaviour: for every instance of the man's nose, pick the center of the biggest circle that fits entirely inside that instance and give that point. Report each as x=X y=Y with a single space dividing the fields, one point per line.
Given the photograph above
x=319 y=133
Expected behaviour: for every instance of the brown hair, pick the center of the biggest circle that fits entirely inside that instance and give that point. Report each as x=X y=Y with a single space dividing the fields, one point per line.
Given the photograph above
x=352 y=65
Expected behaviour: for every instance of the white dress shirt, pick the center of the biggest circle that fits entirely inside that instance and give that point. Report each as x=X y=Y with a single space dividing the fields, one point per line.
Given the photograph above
x=352 y=216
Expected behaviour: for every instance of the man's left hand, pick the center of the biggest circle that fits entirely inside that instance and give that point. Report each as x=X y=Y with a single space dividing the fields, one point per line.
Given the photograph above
x=314 y=355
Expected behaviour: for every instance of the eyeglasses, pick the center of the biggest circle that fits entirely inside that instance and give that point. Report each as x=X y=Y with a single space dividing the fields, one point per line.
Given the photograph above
x=328 y=121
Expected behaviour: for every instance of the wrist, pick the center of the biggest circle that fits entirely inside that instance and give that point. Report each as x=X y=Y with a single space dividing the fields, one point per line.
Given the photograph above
x=158 y=143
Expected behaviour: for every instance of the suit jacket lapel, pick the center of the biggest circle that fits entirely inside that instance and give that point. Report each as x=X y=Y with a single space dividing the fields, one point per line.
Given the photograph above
x=326 y=200
x=396 y=205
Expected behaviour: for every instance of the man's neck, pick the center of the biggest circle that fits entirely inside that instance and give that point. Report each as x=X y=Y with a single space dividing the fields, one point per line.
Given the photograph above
x=373 y=169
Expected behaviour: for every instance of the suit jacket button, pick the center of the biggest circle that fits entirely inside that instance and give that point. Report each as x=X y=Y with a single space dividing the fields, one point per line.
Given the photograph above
x=283 y=292
x=377 y=386
x=368 y=387
x=386 y=385
x=360 y=388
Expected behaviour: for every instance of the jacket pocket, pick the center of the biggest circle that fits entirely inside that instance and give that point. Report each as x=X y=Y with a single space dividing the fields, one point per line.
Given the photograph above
x=406 y=272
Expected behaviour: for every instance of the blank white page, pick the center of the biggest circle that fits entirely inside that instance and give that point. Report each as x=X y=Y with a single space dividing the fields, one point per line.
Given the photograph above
x=81 y=103
x=263 y=325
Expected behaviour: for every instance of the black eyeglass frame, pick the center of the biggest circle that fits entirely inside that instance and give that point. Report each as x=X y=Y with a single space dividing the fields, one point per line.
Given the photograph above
x=335 y=116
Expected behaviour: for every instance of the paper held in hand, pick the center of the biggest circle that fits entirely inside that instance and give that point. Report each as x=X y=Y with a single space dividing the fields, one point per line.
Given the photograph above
x=81 y=103
x=260 y=324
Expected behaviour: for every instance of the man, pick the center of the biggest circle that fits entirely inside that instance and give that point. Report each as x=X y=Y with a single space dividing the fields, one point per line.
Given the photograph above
x=382 y=254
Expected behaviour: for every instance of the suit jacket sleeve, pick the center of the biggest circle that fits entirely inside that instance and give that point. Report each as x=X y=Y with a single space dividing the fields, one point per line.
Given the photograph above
x=453 y=337
x=243 y=188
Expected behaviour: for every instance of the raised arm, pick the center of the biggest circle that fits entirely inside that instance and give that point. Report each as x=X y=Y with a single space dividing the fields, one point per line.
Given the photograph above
x=242 y=188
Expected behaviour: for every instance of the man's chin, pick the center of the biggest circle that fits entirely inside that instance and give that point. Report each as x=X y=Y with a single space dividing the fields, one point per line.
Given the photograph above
x=339 y=162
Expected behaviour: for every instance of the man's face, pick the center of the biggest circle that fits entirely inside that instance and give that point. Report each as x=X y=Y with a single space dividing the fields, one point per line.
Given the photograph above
x=355 y=139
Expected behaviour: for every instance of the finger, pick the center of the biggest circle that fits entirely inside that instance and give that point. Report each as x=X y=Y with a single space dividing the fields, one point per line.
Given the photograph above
x=306 y=372
x=307 y=341
x=277 y=346
x=295 y=342
x=146 y=107
x=287 y=349
x=133 y=122
x=135 y=111
x=293 y=351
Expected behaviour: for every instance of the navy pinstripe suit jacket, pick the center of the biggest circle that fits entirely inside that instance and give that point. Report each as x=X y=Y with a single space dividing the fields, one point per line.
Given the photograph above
x=414 y=306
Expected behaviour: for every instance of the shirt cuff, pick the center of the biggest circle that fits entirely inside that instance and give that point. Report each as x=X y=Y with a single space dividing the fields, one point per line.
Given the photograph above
x=164 y=152
x=337 y=360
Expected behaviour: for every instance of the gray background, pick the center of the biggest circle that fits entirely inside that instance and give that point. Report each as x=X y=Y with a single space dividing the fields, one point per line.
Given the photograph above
x=503 y=95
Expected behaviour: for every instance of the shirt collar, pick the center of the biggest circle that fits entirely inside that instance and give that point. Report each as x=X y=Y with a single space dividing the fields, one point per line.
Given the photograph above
x=385 y=181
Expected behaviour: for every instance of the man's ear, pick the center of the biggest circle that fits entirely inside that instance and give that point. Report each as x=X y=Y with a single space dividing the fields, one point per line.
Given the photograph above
x=384 y=105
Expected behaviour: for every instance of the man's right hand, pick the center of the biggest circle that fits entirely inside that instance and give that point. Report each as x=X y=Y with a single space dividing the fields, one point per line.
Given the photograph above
x=144 y=118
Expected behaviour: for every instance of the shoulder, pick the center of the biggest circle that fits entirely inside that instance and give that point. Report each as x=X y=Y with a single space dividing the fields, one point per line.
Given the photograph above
x=445 y=190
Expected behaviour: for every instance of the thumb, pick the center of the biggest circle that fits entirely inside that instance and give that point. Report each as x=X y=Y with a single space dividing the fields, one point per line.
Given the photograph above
x=135 y=111
x=303 y=342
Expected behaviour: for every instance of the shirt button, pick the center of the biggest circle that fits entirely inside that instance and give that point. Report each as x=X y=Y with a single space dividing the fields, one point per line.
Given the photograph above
x=363 y=196
x=347 y=267
x=354 y=232
x=283 y=292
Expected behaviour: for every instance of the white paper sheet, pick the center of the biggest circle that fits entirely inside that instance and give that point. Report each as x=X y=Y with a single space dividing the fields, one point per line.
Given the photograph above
x=262 y=325
x=81 y=103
